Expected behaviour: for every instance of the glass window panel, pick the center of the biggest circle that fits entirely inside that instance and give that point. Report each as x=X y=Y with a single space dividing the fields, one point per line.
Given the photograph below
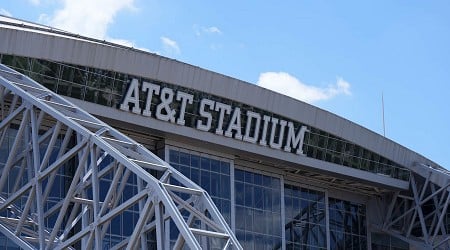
x=116 y=100
x=320 y=155
x=322 y=142
x=195 y=161
x=258 y=179
x=215 y=184
x=91 y=95
x=356 y=242
x=185 y=158
x=269 y=222
x=307 y=231
x=313 y=195
x=198 y=169
x=225 y=168
x=205 y=180
x=195 y=175
x=248 y=219
x=240 y=217
x=64 y=88
x=259 y=221
x=240 y=235
x=250 y=244
x=226 y=210
x=275 y=183
x=288 y=233
x=205 y=163
x=248 y=177
x=258 y=196
x=328 y=156
x=322 y=236
x=259 y=241
x=239 y=175
x=127 y=218
x=258 y=201
x=267 y=182
x=333 y=240
x=115 y=226
x=77 y=91
x=276 y=224
x=239 y=193
x=174 y=156
x=48 y=81
x=362 y=225
x=225 y=186
x=296 y=208
x=345 y=225
x=248 y=189
x=218 y=203
x=312 y=235
x=215 y=166
x=186 y=171
x=287 y=190
x=267 y=199
x=300 y=192
x=288 y=208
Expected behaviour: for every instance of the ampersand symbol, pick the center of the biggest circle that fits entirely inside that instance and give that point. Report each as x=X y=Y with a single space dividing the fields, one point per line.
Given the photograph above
x=166 y=100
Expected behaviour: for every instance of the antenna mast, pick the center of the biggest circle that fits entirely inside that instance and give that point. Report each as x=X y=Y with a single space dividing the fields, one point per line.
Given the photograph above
x=382 y=107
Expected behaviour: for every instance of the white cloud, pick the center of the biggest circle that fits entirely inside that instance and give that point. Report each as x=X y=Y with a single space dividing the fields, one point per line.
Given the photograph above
x=126 y=43
x=87 y=17
x=196 y=29
x=199 y=30
x=35 y=2
x=5 y=12
x=123 y=42
x=286 y=84
x=93 y=21
x=215 y=46
x=212 y=30
x=170 y=46
x=44 y=19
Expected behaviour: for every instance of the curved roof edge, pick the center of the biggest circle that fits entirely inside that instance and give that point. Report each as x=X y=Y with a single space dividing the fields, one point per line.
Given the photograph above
x=38 y=41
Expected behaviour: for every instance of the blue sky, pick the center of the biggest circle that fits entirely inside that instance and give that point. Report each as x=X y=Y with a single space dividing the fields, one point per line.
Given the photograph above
x=338 y=55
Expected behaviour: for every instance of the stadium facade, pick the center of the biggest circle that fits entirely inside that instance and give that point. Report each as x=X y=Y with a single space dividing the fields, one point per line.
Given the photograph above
x=281 y=173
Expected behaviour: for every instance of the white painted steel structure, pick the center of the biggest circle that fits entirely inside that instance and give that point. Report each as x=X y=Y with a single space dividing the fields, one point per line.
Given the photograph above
x=423 y=206
x=81 y=218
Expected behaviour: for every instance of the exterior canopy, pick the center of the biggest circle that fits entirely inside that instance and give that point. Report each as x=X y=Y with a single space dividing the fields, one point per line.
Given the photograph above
x=51 y=136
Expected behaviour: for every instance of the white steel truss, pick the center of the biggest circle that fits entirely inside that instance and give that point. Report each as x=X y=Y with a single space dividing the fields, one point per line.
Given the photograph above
x=419 y=215
x=71 y=181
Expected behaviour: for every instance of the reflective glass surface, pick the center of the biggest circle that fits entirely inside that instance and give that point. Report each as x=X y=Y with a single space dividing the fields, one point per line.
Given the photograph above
x=382 y=241
x=305 y=218
x=258 y=210
x=347 y=225
x=211 y=173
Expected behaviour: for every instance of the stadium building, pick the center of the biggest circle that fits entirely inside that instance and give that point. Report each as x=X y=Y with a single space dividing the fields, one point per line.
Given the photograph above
x=242 y=167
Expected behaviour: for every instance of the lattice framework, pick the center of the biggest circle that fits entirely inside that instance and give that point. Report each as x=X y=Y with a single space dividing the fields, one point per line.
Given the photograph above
x=105 y=174
x=418 y=215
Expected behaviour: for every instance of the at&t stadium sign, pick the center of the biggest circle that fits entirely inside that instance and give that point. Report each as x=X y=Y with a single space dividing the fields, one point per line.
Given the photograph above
x=259 y=129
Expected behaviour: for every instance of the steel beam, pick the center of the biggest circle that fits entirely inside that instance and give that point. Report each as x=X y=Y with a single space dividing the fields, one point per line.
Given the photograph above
x=98 y=177
x=424 y=206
